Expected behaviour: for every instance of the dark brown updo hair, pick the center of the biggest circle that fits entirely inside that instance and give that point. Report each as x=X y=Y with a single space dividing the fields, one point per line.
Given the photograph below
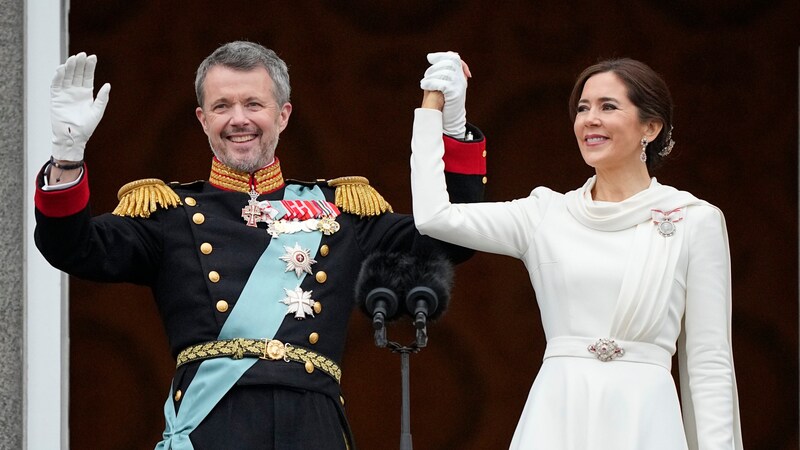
x=646 y=89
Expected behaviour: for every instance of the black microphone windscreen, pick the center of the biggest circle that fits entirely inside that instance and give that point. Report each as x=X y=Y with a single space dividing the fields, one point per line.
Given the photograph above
x=381 y=270
x=434 y=272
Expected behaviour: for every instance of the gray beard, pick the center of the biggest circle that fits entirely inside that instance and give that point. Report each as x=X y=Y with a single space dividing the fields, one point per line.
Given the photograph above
x=242 y=167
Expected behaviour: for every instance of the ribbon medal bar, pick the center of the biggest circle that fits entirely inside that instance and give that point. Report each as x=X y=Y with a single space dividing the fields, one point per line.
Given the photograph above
x=291 y=216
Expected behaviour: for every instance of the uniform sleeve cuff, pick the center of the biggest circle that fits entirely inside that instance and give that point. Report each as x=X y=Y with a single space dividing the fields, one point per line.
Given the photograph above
x=64 y=202
x=467 y=157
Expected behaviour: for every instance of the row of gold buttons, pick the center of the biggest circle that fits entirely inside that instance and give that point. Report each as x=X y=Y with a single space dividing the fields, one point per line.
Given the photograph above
x=206 y=248
x=222 y=306
x=321 y=277
x=484 y=179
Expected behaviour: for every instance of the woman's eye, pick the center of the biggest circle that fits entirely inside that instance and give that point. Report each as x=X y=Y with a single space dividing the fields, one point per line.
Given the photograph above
x=582 y=108
x=609 y=107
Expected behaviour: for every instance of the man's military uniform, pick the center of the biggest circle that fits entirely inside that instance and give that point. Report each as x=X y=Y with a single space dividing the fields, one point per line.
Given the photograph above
x=254 y=280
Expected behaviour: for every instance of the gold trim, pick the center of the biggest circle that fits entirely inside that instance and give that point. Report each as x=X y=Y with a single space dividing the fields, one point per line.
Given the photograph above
x=353 y=179
x=266 y=179
x=354 y=195
x=141 y=197
x=267 y=349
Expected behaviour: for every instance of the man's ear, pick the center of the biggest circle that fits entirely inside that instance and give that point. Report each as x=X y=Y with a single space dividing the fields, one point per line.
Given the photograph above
x=286 y=111
x=201 y=117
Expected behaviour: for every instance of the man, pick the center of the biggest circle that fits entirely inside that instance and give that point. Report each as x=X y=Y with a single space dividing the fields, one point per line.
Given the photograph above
x=253 y=275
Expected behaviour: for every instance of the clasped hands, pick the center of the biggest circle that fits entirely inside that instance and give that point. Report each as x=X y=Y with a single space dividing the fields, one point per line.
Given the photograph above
x=447 y=74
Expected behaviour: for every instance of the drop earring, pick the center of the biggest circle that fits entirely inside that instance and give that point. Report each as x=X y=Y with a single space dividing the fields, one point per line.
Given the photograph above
x=643 y=156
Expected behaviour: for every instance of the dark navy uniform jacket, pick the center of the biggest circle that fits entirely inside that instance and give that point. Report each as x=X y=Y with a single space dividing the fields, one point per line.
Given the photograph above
x=197 y=257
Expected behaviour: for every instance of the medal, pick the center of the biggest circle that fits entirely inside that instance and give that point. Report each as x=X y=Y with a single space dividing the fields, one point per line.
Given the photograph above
x=328 y=225
x=297 y=259
x=665 y=221
x=299 y=303
x=291 y=216
x=276 y=228
x=252 y=212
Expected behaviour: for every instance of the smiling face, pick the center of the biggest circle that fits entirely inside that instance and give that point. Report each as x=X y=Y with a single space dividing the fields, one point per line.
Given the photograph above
x=241 y=117
x=607 y=125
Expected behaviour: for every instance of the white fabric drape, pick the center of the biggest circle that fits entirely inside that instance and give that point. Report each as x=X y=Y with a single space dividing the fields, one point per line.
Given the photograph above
x=650 y=269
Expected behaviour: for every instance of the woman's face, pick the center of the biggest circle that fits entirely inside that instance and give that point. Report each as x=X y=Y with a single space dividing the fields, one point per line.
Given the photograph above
x=607 y=125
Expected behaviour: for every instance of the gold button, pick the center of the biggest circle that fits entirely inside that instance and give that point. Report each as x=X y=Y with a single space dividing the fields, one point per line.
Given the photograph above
x=206 y=248
x=222 y=306
x=324 y=250
x=485 y=180
x=178 y=395
x=321 y=276
x=484 y=154
x=317 y=307
x=190 y=201
x=313 y=337
x=198 y=218
x=213 y=276
x=309 y=367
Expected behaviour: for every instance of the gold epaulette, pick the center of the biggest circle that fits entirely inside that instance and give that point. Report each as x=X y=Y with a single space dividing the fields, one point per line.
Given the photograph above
x=354 y=195
x=141 y=197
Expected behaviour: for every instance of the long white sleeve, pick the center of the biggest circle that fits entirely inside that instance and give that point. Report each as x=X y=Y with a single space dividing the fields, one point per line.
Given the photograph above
x=707 y=327
x=503 y=227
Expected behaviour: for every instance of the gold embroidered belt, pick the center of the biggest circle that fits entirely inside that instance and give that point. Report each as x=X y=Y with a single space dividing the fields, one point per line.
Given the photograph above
x=269 y=349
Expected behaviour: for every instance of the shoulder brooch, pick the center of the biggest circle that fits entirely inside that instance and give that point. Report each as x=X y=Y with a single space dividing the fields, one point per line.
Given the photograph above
x=141 y=197
x=354 y=195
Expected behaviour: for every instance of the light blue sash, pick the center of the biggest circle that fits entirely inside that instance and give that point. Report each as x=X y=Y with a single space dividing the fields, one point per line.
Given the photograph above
x=257 y=315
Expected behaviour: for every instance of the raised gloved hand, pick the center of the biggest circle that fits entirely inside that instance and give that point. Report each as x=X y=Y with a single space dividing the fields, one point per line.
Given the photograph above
x=448 y=74
x=74 y=113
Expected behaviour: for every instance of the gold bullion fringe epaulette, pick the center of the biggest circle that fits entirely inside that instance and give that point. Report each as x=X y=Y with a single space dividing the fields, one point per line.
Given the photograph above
x=141 y=197
x=354 y=195
x=269 y=349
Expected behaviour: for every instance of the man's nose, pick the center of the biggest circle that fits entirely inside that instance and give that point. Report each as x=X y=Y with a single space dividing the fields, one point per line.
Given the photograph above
x=239 y=115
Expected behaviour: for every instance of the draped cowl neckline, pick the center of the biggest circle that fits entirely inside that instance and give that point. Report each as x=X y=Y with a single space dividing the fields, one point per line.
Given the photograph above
x=616 y=216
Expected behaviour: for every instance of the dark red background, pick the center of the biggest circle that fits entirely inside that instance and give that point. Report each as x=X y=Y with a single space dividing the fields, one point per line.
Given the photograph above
x=355 y=67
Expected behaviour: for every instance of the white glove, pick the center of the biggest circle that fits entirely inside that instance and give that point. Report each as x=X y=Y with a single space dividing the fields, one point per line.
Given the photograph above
x=74 y=114
x=447 y=75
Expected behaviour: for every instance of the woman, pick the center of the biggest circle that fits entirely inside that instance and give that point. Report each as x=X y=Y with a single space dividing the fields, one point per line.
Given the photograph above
x=626 y=271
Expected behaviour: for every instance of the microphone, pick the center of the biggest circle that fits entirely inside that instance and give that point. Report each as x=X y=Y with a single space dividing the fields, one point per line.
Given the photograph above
x=430 y=283
x=381 y=282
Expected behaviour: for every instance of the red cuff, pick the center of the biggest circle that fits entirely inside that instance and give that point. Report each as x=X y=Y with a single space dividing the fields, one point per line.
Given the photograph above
x=466 y=158
x=65 y=202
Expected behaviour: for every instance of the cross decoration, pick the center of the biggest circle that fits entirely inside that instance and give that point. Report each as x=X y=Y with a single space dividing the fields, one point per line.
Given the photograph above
x=252 y=212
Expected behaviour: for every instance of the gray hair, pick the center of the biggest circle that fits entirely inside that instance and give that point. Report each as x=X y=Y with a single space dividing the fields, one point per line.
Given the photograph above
x=244 y=56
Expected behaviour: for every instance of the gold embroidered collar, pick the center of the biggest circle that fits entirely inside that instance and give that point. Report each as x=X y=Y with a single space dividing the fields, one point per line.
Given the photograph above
x=264 y=180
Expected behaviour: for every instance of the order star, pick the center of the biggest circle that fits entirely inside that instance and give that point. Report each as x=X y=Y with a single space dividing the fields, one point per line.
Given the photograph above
x=297 y=259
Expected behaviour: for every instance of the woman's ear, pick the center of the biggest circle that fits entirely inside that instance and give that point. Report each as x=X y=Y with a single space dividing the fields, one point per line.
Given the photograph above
x=652 y=128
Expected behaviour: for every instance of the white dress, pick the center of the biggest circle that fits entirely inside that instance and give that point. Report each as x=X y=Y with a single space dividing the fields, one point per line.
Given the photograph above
x=603 y=270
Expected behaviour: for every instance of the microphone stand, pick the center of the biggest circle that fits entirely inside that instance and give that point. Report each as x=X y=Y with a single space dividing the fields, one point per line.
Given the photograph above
x=405 y=408
x=421 y=301
x=383 y=303
x=405 y=352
